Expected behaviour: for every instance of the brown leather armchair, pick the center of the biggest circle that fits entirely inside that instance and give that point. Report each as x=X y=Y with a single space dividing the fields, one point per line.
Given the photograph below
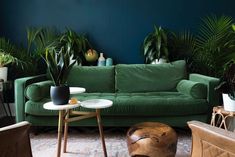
x=15 y=141
x=210 y=141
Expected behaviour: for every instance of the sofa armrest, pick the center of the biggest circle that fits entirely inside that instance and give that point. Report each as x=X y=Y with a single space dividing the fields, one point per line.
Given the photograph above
x=20 y=99
x=211 y=141
x=213 y=97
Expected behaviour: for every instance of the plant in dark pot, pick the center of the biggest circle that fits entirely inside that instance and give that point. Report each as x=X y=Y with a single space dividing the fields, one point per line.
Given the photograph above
x=227 y=86
x=59 y=65
x=155 y=46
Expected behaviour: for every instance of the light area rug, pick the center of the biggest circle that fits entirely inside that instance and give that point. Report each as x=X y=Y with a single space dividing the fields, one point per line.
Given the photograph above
x=88 y=144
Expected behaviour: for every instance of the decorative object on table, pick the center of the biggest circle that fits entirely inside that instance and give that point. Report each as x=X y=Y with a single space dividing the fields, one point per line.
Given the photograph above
x=227 y=86
x=91 y=55
x=109 y=62
x=59 y=66
x=101 y=60
x=155 y=46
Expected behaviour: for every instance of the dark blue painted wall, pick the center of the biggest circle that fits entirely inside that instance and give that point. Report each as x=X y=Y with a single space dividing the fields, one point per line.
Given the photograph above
x=116 y=27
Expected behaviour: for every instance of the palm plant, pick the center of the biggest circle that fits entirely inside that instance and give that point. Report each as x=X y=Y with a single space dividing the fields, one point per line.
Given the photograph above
x=182 y=46
x=41 y=38
x=215 y=45
x=155 y=45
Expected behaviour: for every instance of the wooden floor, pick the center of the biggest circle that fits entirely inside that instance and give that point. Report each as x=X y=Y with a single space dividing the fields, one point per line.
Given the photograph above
x=4 y=121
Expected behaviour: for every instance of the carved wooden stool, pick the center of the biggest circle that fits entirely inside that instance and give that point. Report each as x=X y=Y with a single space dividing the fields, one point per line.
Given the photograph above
x=151 y=139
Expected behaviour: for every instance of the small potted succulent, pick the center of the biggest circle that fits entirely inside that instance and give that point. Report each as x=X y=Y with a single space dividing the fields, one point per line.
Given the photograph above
x=227 y=86
x=59 y=65
x=155 y=48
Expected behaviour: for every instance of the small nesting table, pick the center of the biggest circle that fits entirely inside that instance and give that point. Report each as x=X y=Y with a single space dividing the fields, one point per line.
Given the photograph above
x=221 y=118
x=63 y=112
x=64 y=118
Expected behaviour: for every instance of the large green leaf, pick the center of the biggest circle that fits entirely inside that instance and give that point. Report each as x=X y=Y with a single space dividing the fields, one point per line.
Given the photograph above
x=215 y=44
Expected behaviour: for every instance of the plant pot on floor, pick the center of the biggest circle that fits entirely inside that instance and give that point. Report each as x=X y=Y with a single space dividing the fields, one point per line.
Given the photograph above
x=3 y=73
x=159 y=61
x=59 y=94
x=229 y=104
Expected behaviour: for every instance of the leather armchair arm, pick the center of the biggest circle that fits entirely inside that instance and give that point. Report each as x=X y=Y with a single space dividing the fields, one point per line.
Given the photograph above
x=211 y=141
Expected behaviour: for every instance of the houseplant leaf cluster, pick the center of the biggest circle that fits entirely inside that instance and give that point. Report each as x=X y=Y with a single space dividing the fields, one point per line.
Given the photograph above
x=227 y=81
x=8 y=54
x=59 y=63
x=215 y=44
x=155 y=45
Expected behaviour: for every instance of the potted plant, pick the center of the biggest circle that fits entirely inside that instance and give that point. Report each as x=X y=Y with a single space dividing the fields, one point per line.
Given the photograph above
x=227 y=86
x=6 y=59
x=59 y=64
x=155 y=46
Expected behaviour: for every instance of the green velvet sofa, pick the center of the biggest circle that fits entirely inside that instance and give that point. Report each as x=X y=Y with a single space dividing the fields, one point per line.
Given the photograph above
x=140 y=92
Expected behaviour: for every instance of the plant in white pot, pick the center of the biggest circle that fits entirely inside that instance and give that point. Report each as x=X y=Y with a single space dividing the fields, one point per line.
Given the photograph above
x=6 y=59
x=227 y=86
x=59 y=65
x=155 y=48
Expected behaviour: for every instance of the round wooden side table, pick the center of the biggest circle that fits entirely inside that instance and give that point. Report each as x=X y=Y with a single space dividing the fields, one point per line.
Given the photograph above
x=151 y=139
x=222 y=119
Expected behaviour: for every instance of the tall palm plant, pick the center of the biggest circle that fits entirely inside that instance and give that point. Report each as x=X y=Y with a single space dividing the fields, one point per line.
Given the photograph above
x=215 y=44
x=41 y=38
x=182 y=45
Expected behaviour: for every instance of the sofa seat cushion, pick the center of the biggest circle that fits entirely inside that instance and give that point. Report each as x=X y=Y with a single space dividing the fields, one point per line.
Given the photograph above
x=135 y=104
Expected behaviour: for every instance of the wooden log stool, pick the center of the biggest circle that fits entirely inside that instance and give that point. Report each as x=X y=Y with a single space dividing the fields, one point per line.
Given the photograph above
x=151 y=139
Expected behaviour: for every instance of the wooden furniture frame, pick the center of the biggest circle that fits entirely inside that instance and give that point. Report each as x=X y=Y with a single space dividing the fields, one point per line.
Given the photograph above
x=65 y=111
x=210 y=141
x=64 y=117
x=220 y=117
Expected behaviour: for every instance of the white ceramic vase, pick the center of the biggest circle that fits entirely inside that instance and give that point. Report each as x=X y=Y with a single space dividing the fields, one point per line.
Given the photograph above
x=229 y=104
x=3 y=73
x=101 y=60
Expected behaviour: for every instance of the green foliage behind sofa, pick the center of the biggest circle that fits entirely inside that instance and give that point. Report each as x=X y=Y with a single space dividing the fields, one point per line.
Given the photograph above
x=140 y=92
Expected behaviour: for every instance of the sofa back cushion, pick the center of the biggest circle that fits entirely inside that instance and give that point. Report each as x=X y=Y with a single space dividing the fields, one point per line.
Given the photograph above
x=93 y=78
x=149 y=77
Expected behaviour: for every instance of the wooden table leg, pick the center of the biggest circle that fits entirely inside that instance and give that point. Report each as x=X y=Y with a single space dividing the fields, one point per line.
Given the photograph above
x=66 y=132
x=60 y=127
x=101 y=131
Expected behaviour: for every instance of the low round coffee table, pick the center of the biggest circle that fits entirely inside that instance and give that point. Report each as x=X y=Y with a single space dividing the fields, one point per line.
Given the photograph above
x=151 y=139
x=98 y=104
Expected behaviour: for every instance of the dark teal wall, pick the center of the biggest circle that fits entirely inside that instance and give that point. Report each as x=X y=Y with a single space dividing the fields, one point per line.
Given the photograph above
x=116 y=27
